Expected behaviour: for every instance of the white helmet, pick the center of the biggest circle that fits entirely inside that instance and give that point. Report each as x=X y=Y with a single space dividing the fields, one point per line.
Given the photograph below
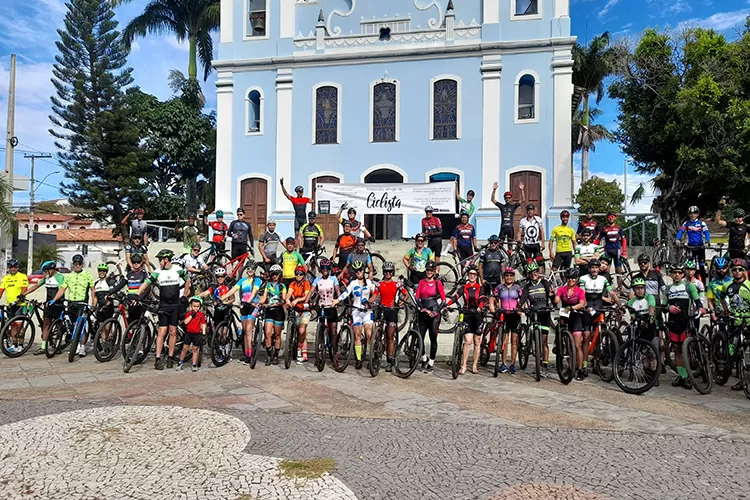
x=271 y=221
x=220 y=271
x=275 y=269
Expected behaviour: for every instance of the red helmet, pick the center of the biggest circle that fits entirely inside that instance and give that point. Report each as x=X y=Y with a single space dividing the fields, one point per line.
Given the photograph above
x=138 y=211
x=564 y=213
x=300 y=269
x=508 y=194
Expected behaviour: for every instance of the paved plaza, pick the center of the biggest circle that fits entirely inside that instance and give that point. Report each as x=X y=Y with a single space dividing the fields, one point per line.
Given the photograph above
x=88 y=431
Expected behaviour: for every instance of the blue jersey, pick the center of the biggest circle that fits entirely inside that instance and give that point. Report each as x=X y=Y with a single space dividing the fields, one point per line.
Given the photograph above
x=247 y=286
x=696 y=232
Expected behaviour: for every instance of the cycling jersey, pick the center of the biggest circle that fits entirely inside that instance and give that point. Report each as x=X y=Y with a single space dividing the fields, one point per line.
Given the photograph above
x=594 y=289
x=138 y=227
x=141 y=249
x=654 y=283
x=220 y=231
x=590 y=224
x=538 y=293
x=471 y=294
x=738 y=299
x=508 y=296
x=564 y=238
x=193 y=262
x=715 y=290
x=419 y=259
x=276 y=293
x=387 y=291
x=241 y=232
x=103 y=287
x=217 y=290
x=588 y=252
x=613 y=237
x=325 y=288
x=642 y=306
x=310 y=236
x=363 y=257
x=464 y=235
x=299 y=204
x=170 y=281
x=432 y=227
x=531 y=230
x=696 y=231
x=78 y=285
x=428 y=293
x=246 y=287
x=271 y=241
x=13 y=284
x=465 y=205
x=737 y=235
x=507 y=213
x=492 y=264
x=289 y=262
x=299 y=290
x=345 y=243
x=357 y=227
x=570 y=297
x=189 y=235
x=133 y=279
x=359 y=291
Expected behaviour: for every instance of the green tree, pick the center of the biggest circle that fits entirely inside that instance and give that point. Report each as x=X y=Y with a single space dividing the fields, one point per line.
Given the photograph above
x=601 y=196
x=7 y=219
x=95 y=127
x=583 y=137
x=43 y=253
x=591 y=65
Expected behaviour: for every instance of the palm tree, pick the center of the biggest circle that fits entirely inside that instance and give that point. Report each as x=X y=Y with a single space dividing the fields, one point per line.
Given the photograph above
x=585 y=138
x=193 y=20
x=591 y=65
x=6 y=211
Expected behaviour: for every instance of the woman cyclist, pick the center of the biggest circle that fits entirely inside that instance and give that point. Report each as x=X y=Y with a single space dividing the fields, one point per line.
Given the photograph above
x=388 y=292
x=273 y=298
x=297 y=298
x=505 y=297
x=573 y=299
x=327 y=289
x=361 y=289
x=249 y=288
x=416 y=259
x=431 y=299
x=470 y=294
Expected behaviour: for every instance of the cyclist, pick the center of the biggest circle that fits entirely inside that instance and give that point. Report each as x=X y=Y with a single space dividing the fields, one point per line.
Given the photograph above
x=507 y=212
x=573 y=300
x=491 y=261
x=326 y=287
x=696 y=231
x=298 y=298
x=170 y=279
x=219 y=229
x=137 y=226
x=505 y=301
x=77 y=283
x=16 y=284
x=587 y=222
x=51 y=281
x=615 y=243
x=193 y=263
x=715 y=287
x=735 y=296
x=596 y=287
x=189 y=231
x=682 y=296
x=691 y=267
x=605 y=268
x=249 y=288
x=564 y=239
x=290 y=259
x=273 y=298
x=133 y=279
x=358 y=229
x=102 y=289
x=136 y=247
x=217 y=290
x=416 y=259
x=586 y=251
x=358 y=255
x=432 y=228
x=299 y=204
x=430 y=299
x=738 y=231
x=533 y=236
x=310 y=236
x=242 y=234
x=361 y=290
x=387 y=292
x=464 y=239
x=654 y=282
x=195 y=331
x=344 y=245
x=470 y=293
x=465 y=204
x=539 y=294
x=268 y=243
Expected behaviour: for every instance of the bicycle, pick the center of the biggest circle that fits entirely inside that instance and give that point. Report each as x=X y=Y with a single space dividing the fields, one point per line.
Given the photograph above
x=258 y=336
x=457 y=352
x=637 y=361
x=662 y=257
x=141 y=334
x=322 y=341
x=564 y=349
x=226 y=336
x=723 y=355
x=697 y=358
x=291 y=342
x=603 y=347
x=378 y=342
x=409 y=349
x=60 y=334
x=14 y=345
x=79 y=330
x=109 y=333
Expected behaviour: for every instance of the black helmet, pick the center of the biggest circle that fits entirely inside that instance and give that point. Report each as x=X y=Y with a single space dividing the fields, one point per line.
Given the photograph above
x=351 y=211
x=361 y=240
x=50 y=264
x=643 y=258
x=77 y=259
x=311 y=215
x=530 y=206
x=358 y=265
x=586 y=231
x=419 y=235
x=389 y=267
x=493 y=238
x=240 y=210
x=299 y=189
x=594 y=262
x=136 y=258
x=571 y=273
x=739 y=213
x=13 y=263
x=430 y=266
x=165 y=253
x=290 y=239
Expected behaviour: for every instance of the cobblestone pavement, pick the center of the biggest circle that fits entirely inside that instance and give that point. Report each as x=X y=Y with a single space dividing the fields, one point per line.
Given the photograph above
x=426 y=437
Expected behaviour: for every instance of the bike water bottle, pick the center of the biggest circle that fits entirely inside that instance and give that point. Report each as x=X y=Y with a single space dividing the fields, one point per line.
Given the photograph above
x=239 y=331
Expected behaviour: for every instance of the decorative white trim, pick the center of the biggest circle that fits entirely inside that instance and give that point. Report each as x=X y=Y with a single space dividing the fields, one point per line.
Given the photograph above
x=447 y=170
x=562 y=76
x=335 y=12
x=398 y=106
x=284 y=125
x=338 y=109
x=529 y=17
x=254 y=175
x=532 y=168
x=432 y=23
x=226 y=34
x=491 y=12
x=248 y=132
x=224 y=126
x=404 y=175
x=491 y=107
x=457 y=79
x=537 y=107
x=562 y=8
x=246 y=18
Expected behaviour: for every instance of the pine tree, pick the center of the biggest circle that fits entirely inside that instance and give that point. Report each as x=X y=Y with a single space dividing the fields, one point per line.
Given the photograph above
x=95 y=129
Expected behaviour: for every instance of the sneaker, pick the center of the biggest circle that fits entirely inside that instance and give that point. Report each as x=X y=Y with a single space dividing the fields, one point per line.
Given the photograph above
x=39 y=351
x=512 y=369
x=299 y=354
x=81 y=350
x=687 y=384
x=389 y=367
x=677 y=382
x=11 y=349
x=300 y=360
x=195 y=368
x=304 y=359
x=180 y=366
x=244 y=361
x=585 y=372
x=170 y=362
x=429 y=369
x=268 y=361
x=358 y=364
x=503 y=368
x=579 y=375
x=423 y=365
x=275 y=360
x=158 y=364
x=545 y=371
x=737 y=386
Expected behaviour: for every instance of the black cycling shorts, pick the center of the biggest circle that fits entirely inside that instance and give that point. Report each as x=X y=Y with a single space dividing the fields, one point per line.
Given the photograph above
x=238 y=249
x=195 y=339
x=390 y=316
x=220 y=246
x=699 y=253
x=332 y=315
x=507 y=233
x=575 y=321
x=435 y=243
x=298 y=223
x=53 y=311
x=473 y=322
x=135 y=312
x=488 y=285
x=562 y=260
x=533 y=252
x=106 y=312
x=512 y=320
x=464 y=252
x=169 y=314
x=275 y=315
x=589 y=320
x=14 y=310
x=416 y=276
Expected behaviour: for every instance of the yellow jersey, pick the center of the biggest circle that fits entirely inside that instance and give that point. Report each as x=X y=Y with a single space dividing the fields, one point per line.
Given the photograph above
x=14 y=284
x=564 y=237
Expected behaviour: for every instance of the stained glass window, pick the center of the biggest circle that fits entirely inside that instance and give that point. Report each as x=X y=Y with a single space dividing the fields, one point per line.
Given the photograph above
x=526 y=95
x=445 y=111
x=326 y=115
x=384 y=113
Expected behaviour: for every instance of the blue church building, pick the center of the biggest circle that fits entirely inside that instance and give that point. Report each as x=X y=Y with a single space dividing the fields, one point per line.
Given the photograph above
x=412 y=91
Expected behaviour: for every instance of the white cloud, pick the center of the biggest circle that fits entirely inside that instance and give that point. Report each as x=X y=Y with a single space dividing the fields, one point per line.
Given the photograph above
x=607 y=8
x=720 y=21
x=182 y=46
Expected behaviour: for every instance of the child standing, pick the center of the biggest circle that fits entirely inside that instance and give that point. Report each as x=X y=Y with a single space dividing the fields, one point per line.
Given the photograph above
x=195 y=329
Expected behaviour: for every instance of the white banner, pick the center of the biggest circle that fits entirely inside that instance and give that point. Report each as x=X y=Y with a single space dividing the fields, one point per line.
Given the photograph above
x=391 y=199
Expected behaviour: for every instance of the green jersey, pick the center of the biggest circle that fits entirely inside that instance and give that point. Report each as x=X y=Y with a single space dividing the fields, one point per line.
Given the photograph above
x=78 y=285
x=738 y=299
x=642 y=306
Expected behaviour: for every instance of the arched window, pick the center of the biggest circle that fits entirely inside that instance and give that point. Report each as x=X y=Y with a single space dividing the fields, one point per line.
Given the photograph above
x=327 y=117
x=384 y=110
x=254 y=112
x=445 y=123
x=526 y=98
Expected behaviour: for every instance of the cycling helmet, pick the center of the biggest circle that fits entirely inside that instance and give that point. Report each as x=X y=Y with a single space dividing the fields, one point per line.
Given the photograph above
x=290 y=239
x=470 y=192
x=271 y=221
x=430 y=266
x=739 y=213
x=191 y=215
x=493 y=238
x=571 y=273
x=428 y=208
x=50 y=264
x=177 y=261
x=605 y=258
x=564 y=213
x=690 y=264
x=351 y=211
x=509 y=270
x=136 y=258
x=464 y=212
x=219 y=213
x=240 y=210
x=77 y=259
x=275 y=269
x=324 y=264
x=136 y=237
x=611 y=214
x=196 y=298
x=594 y=262
x=195 y=246
x=471 y=269
x=346 y=223
x=419 y=235
x=165 y=253
x=586 y=231
x=693 y=210
x=299 y=189
x=507 y=194
x=138 y=211
x=721 y=263
x=644 y=258
x=250 y=265
x=13 y=263
x=677 y=267
x=639 y=282
x=530 y=206
x=389 y=267
x=531 y=267
x=358 y=265
x=300 y=269
x=311 y=215
x=220 y=271
x=361 y=240
x=739 y=263
x=102 y=267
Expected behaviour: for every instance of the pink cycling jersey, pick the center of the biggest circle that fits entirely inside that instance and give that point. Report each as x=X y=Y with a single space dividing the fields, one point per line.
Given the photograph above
x=428 y=292
x=508 y=296
x=570 y=297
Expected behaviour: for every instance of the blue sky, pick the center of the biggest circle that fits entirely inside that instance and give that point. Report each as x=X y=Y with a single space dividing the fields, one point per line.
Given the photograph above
x=29 y=29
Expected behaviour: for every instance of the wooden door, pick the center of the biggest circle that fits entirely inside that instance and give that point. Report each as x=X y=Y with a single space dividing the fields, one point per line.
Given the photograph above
x=329 y=223
x=254 y=199
x=533 y=187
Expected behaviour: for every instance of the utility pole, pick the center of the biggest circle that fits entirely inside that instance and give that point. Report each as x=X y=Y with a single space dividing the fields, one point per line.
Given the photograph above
x=32 y=190
x=6 y=239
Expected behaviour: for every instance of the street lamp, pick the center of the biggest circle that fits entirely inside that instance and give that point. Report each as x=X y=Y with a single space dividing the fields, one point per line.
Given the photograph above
x=32 y=191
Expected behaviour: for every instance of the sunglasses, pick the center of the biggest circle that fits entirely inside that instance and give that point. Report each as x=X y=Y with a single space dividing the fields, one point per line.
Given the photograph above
x=738 y=269
x=472 y=273
x=571 y=278
x=299 y=274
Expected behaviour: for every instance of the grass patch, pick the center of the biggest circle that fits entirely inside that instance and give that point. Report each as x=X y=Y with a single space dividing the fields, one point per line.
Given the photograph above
x=307 y=469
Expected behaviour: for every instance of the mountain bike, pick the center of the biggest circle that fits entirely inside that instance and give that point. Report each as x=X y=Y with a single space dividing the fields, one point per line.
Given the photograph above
x=291 y=341
x=17 y=333
x=696 y=357
x=564 y=349
x=141 y=334
x=603 y=347
x=409 y=348
x=109 y=334
x=60 y=334
x=534 y=345
x=457 y=352
x=258 y=336
x=723 y=352
x=637 y=361
x=226 y=336
x=378 y=342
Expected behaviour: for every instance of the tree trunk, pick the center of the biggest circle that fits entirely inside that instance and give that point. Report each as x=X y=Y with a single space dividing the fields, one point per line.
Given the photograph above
x=586 y=139
x=584 y=164
x=193 y=61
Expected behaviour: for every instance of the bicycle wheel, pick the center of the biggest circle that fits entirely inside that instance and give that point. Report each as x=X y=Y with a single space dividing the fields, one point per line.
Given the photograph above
x=448 y=275
x=743 y=363
x=403 y=318
x=221 y=344
x=290 y=344
x=17 y=336
x=637 y=366
x=695 y=355
x=135 y=346
x=408 y=352
x=345 y=348
x=448 y=320
x=523 y=346
x=107 y=339
x=537 y=334
x=565 y=357
x=627 y=276
x=458 y=342
x=669 y=355
x=320 y=346
x=604 y=360
x=484 y=348
x=721 y=361
x=257 y=341
x=376 y=351
x=499 y=352
x=115 y=270
x=377 y=265
x=56 y=332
